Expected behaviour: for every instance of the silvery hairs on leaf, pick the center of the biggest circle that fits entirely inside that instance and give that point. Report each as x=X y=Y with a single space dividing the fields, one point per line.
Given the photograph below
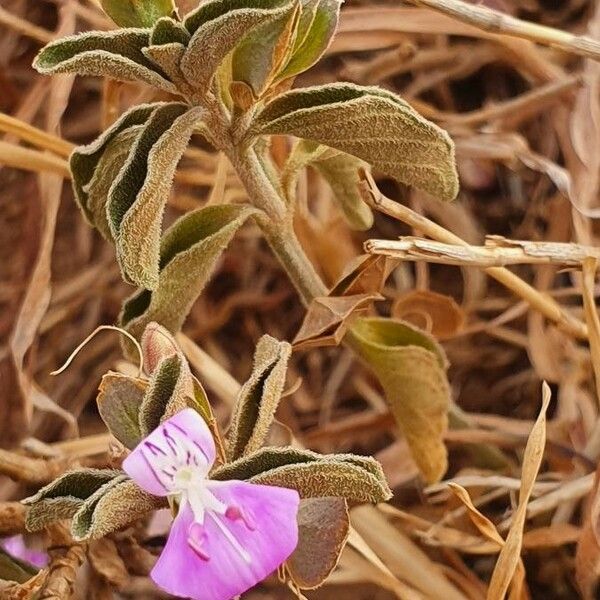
x=170 y=391
x=119 y=401
x=189 y=252
x=139 y=194
x=62 y=498
x=371 y=124
x=217 y=27
x=340 y=170
x=323 y=527
x=356 y=478
x=316 y=28
x=137 y=13
x=84 y=159
x=112 y=508
x=116 y=54
x=259 y=397
x=411 y=368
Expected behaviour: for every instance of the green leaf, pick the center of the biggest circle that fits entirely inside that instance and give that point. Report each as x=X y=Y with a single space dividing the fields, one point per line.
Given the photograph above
x=112 y=508
x=107 y=169
x=411 y=367
x=139 y=195
x=169 y=31
x=217 y=27
x=262 y=53
x=170 y=391
x=259 y=397
x=61 y=498
x=116 y=54
x=340 y=170
x=263 y=460
x=316 y=28
x=312 y=474
x=85 y=159
x=119 y=401
x=323 y=527
x=371 y=124
x=328 y=478
x=137 y=13
x=189 y=252
x=168 y=58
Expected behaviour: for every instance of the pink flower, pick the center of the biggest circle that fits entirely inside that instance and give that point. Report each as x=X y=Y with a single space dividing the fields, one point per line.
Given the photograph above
x=227 y=535
x=17 y=548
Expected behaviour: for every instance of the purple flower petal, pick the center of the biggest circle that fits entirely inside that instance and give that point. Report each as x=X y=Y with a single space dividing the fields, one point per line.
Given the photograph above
x=229 y=553
x=16 y=547
x=182 y=440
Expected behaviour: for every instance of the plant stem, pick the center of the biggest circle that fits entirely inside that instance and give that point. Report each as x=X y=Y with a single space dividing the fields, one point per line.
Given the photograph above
x=277 y=225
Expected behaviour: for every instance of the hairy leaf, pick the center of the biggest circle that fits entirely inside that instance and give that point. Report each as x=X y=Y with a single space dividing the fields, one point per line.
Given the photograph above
x=323 y=527
x=108 y=167
x=274 y=461
x=259 y=397
x=262 y=460
x=371 y=124
x=189 y=252
x=265 y=50
x=316 y=28
x=137 y=13
x=412 y=370
x=113 y=508
x=170 y=391
x=117 y=54
x=168 y=58
x=119 y=401
x=169 y=31
x=157 y=344
x=138 y=196
x=340 y=170
x=61 y=498
x=84 y=159
x=217 y=27
x=328 y=478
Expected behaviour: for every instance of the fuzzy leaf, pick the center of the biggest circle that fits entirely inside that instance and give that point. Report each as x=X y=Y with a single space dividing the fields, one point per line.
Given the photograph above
x=263 y=460
x=323 y=527
x=168 y=58
x=328 y=478
x=119 y=401
x=157 y=344
x=340 y=170
x=268 y=465
x=137 y=13
x=189 y=252
x=138 y=196
x=170 y=391
x=259 y=397
x=411 y=367
x=61 y=498
x=316 y=28
x=108 y=167
x=265 y=50
x=112 y=508
x=84 y=159
x=217 y=27
x=371 y=124
x=169 y=31
x=117 y=54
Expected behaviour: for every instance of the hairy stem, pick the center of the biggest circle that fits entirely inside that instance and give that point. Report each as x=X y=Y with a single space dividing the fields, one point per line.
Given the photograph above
x=277 y=226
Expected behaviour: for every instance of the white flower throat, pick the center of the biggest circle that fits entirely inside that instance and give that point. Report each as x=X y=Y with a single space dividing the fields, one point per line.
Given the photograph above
x=181 y=467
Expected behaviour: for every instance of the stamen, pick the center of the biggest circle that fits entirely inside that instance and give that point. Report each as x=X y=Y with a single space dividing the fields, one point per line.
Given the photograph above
x=196 y=539
x=235 y=513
